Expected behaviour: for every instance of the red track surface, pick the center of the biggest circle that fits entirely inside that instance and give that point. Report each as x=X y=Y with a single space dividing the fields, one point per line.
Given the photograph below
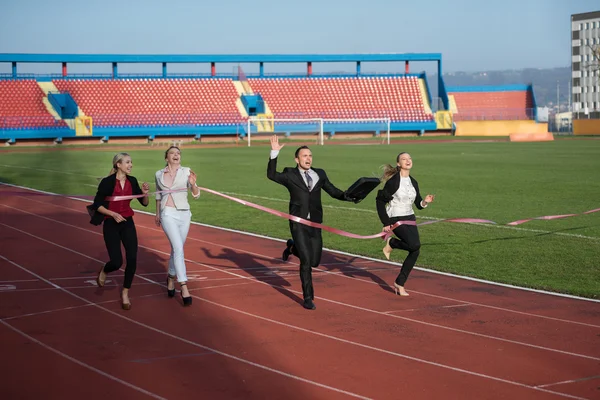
x=246 y=335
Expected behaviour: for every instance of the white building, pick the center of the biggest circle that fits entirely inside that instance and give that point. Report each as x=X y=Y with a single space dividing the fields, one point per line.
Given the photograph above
x=585 y=74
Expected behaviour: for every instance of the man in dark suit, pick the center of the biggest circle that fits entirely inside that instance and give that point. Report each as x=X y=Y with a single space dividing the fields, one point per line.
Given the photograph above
x=304 y=184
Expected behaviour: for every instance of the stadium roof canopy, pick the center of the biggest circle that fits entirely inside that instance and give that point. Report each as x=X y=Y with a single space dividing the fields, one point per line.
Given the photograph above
x=215 y=58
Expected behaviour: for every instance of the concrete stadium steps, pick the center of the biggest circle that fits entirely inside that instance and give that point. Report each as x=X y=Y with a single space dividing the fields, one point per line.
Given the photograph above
x=452 y=104
x=424 y=96
x=239 y=88
x=244 y=88
x=48 y=87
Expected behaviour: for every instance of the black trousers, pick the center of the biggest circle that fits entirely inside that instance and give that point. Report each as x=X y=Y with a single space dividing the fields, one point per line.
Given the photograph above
x=308 y=247
x=407 y=239
x=115 y=234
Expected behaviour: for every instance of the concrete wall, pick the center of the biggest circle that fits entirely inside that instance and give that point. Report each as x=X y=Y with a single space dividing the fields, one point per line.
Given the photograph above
x=586 y=126
x=498 y=128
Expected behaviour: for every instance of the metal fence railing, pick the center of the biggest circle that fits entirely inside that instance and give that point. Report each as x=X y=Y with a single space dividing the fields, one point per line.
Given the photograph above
x=31 y=122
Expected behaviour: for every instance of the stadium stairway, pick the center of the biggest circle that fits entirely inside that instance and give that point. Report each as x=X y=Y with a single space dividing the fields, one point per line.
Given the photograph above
x=244 y=88
x=443 y=119
x=424 y=96
x=452 y=104
x=48 y=87
x=238 y=103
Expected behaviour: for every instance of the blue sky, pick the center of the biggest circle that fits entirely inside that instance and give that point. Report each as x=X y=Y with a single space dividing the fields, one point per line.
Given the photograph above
x=471 y=35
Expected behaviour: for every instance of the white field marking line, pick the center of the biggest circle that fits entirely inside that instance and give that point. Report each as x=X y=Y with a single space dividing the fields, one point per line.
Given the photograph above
x=203 y=278
x=324 y=335
x=431 y=271
x=81 y=363
x=19 y=281
x=380 y=262
x=370 y=282
x=573 y=235
x=340 y=274
x=587 y=378
x=167 y=334
x=344 y=263
x=144 y=296
x=444 y=366
x=46 y=289
x=427 y=308
x=395 y=265
x=320 y=298
x=479 y=304
x=72 y=278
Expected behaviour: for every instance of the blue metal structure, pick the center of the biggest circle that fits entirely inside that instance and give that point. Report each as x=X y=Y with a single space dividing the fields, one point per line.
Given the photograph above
x=115 y=59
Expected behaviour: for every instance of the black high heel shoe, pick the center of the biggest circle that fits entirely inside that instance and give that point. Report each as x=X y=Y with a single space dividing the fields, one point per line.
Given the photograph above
x=170 y=292
x=187 y=301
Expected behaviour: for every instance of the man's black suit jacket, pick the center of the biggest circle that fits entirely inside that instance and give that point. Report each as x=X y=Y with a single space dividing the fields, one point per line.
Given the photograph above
x=303 y=201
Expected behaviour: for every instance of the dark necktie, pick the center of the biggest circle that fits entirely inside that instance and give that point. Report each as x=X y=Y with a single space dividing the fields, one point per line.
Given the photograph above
x=308 y=180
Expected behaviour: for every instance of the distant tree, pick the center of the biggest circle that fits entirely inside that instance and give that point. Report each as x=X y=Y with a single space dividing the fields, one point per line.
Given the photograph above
x=593 y=66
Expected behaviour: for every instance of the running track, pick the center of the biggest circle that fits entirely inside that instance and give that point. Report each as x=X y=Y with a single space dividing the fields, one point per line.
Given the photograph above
x=246 y=335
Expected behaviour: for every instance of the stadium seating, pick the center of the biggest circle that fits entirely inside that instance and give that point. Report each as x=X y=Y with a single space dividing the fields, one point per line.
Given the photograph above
x=367 y=97
x=155 y=102
x=507 y=105
x=212 y=101
x=22 y=107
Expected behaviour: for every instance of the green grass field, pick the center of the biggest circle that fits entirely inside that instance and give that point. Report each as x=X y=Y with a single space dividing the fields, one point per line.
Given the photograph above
x=498 y=181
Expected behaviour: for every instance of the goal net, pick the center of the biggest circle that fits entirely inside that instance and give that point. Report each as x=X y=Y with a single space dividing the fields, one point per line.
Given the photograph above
x=319 y=129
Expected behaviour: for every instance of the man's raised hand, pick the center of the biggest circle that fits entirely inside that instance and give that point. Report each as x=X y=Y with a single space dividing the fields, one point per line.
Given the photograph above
x=275 y=143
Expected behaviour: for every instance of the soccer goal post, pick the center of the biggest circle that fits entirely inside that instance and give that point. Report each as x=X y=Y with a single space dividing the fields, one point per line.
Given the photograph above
x=319 y=126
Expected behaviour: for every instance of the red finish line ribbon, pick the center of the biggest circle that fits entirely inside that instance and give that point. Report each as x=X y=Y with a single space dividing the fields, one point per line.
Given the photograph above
x=136 y=196
x=340 y=232
x=550 y=217
x=305 y=221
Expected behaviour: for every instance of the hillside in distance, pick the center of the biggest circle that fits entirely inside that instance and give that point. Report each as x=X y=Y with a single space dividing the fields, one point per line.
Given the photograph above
x=547 y=82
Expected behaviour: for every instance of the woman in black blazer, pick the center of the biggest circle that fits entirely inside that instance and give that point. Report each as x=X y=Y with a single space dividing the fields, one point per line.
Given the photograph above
x=118 y=221
x=394 y=203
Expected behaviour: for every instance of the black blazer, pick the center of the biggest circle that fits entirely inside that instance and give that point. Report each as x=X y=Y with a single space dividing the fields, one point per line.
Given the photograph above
x=106 y=189
x=386 y=194
x=303 y=201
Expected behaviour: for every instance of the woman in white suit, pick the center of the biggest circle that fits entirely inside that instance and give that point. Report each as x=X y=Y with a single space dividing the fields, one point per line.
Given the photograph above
x=174 y=215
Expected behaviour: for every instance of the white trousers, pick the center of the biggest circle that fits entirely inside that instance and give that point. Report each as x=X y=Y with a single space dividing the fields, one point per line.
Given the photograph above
x=176 y=224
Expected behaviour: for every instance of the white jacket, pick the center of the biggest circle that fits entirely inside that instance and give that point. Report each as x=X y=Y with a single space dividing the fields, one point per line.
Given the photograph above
x=180 y=182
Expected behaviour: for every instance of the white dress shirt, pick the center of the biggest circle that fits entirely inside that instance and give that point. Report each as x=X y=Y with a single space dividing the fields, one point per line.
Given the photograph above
x=313 y=174
x=403 y=199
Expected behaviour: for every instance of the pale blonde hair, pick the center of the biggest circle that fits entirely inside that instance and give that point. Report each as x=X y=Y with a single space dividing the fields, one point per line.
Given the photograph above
x=390 y=170
x=116 y=160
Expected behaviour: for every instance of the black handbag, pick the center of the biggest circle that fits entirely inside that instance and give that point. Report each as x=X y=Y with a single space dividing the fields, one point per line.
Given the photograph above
x=361 y=188
x=96 y=218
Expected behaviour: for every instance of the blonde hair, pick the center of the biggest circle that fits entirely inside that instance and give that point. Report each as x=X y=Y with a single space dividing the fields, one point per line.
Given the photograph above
x=116 y=160
x=389 y=170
